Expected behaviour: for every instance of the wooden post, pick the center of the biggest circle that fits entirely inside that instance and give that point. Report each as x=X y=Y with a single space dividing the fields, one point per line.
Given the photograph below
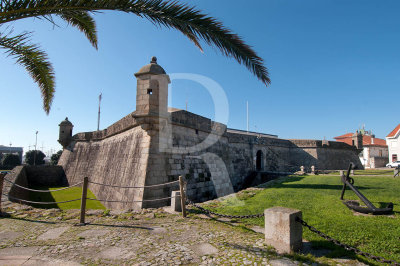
x=183 y=198
x=1 y=187
x=83 y=200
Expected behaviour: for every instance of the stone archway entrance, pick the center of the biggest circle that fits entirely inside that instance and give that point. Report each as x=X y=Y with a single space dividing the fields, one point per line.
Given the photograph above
x=259 y=160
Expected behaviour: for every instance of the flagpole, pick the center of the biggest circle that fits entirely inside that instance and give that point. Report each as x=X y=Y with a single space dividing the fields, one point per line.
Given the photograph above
x=98 y=118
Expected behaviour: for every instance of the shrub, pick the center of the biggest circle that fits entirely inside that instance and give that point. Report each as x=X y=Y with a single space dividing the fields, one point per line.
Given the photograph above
x=9 y=161
x=30 y=155
x=55 y=157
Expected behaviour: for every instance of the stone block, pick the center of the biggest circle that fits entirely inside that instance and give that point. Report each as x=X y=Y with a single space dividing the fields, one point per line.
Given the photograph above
x=282 y=231
x=176 y=201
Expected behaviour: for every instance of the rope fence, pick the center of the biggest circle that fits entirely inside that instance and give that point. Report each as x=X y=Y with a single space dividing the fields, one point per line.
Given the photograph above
x=135 y=201
x=42 y=191
x=84 y=197
x=149 y=186
x=40 y=202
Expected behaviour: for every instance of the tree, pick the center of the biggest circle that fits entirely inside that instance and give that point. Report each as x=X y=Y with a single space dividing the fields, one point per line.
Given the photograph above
x=55 y=157
x=30 y=157
x=9 y=161
x=191 y=22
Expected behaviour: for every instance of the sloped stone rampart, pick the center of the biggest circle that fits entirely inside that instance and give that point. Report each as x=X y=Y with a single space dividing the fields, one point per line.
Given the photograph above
x=17 y=175
x=117 y=160
x=28 y=176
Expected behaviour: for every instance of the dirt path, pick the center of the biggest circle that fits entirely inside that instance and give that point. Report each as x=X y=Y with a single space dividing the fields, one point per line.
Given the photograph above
x=155 y=237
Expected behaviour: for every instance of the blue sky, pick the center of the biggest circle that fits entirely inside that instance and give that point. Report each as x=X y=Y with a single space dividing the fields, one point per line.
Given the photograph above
x=334 y=65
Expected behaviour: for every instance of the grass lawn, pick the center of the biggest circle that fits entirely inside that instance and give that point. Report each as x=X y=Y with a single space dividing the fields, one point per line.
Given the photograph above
x=387 y=171
x=63 y=195
x=318 y=197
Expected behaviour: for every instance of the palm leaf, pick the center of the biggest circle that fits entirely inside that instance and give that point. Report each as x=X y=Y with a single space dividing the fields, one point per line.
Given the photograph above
x=84 y=22
x=191 y=22
x=35 y=62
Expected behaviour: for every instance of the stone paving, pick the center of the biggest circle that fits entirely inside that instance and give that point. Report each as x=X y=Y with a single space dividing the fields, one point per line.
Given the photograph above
x=31 y=236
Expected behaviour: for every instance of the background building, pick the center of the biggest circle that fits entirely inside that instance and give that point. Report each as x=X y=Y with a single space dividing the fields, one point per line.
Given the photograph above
x=393 y=143
x=374 y=150
x=14 y=150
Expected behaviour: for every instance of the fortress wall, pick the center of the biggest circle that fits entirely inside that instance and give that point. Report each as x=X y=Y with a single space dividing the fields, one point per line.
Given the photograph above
x=119 y=160
x=279 y=155
x=337 y=159
x=172 y=154
x=330 y=155
x=205 y=169
x=158 y=151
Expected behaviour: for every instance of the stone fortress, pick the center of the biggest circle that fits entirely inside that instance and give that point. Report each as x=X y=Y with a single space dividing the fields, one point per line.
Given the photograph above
x=155 y=144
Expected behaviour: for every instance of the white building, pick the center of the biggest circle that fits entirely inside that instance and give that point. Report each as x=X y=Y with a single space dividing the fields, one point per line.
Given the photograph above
x=13 y=150
x=375 y=151
x=392 y=141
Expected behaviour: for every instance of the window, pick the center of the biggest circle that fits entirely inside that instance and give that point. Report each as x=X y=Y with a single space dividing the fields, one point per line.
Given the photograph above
x=394 y=157
x=149 y=91
x=197 y=132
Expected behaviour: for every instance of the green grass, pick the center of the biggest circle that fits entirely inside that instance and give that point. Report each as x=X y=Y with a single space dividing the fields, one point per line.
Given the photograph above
x=63 y=195
x=374 y=172
x=368 y=172
x=318 y=199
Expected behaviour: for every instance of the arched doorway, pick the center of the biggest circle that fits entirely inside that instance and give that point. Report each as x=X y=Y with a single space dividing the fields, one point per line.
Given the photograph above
x=259 y=160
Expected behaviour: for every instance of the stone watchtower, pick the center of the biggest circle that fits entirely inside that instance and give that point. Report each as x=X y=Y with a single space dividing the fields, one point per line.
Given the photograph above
x=152 y=90
x=65 y=136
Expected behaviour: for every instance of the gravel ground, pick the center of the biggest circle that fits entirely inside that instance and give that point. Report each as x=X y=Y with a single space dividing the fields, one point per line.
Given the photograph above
x=31 y=236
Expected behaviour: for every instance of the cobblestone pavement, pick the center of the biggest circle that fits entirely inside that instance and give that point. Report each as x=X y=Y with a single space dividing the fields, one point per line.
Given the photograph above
x=152 y=237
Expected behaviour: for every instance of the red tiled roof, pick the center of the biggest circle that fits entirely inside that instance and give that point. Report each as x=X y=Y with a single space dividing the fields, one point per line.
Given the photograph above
x=377 y=142
x=344 y=136
x=347 y=138
x=394 y=131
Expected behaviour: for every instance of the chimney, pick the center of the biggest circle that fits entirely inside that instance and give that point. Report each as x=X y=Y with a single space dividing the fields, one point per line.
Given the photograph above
x=357 y=140
x=372 y=139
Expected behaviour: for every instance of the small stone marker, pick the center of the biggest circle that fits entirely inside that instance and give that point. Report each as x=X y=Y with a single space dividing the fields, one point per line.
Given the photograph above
x=53 y=233
x=302 y=169
x=176 y=201
x=282 y=231
x=352 y=171
x=312 y=169
x=341 y=173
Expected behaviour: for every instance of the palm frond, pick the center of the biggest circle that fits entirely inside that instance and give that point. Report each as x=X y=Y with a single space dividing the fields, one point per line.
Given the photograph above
x=191 y=22
x=84 y=22
x=35 y=62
